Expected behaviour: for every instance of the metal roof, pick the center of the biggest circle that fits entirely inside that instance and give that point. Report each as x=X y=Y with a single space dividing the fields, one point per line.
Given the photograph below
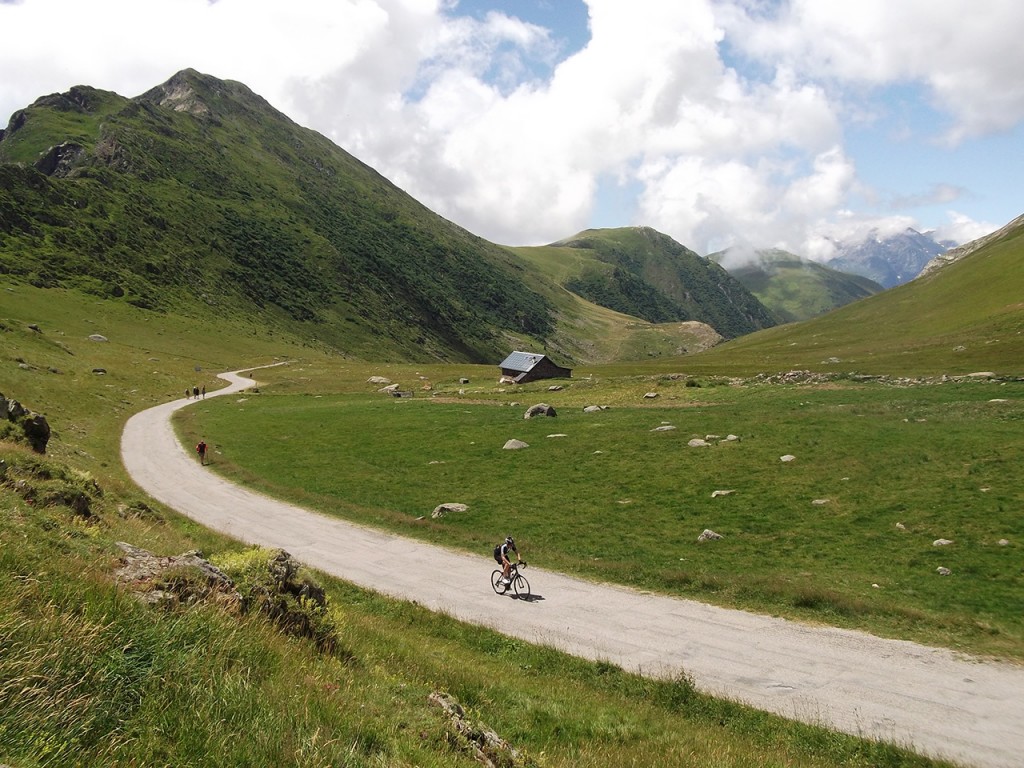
x=521 y=361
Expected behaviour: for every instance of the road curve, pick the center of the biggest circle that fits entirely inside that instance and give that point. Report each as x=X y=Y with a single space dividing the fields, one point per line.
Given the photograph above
x=930 y=700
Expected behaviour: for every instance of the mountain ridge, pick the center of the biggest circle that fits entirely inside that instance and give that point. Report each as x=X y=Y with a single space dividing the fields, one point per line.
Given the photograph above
x=199 y=195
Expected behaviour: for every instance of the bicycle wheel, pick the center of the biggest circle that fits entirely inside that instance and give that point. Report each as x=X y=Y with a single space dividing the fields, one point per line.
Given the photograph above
x=521 y=586
x=497 y=584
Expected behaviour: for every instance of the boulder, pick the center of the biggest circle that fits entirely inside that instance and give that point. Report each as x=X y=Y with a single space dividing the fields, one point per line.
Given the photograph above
x=97 y=337
x=709 y=535
x=515 y=445
x=443 y=509
x=698 y=443
x=540 y=409
x=663 y=428
x=378 y=380
x=37 y=431
x=593 y=409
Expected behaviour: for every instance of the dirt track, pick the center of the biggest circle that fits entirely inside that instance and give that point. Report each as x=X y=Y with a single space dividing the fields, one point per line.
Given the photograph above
x=930 y=700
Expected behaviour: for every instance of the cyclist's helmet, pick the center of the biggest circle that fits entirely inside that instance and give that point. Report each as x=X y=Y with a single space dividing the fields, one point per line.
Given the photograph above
x=510 y=541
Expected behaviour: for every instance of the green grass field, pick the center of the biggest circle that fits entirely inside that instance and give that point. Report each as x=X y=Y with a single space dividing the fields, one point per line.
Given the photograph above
x=841 y=535
x=89 y=676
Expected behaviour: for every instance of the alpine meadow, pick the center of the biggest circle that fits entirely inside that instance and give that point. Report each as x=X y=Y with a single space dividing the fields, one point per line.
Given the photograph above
x=857 y=451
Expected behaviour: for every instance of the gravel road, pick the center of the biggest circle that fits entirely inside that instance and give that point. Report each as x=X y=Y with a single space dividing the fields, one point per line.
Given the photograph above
x=930 y=700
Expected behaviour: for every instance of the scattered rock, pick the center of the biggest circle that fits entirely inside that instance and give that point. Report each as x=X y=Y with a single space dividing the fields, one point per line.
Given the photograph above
x=100 y=371
x=650 y=395
x=463 y=381
x=443 y=509
x=941 y=543
x=540 y=409
x=378 y=380
x=730 y=438
x=709 y=535
x=594 y=408
x=559 y=434
x=34 y=327
x=820 y=502
x=160 y=580
x=901 y=526
x=787 y=458
x=486 y=746
x=97 y=337
x=555 y=388
x=875 y=586
x=716 y=494
x=943 y=571
x=389 y=389
x=698 y=443
x=663 y=428
x=1003 y=543
x=515 y=445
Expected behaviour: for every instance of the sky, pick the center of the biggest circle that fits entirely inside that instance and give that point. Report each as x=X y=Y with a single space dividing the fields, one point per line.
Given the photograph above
x=787 y=124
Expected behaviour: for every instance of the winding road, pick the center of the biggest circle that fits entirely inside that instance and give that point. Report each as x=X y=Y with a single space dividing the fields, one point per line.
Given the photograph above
x=930 y=700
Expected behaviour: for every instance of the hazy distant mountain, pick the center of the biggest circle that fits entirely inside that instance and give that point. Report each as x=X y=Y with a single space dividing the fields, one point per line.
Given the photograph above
x=794 y=288
x=888 y=260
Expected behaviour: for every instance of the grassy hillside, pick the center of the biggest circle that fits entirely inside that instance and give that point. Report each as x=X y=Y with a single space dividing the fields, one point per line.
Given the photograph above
x=795 y=289
x=965 y=317
x=199 y=197
x=644 y=273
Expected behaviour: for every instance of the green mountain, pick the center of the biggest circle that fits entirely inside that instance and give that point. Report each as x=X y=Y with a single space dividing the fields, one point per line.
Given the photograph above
x=966 y=316
x=794 y=288
x=639 y=271
x=199 y=197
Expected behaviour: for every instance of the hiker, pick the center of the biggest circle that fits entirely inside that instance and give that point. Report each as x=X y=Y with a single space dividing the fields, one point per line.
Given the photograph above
x=204 y=392
x=195 y=392
x=501 y=556
x=201 y=450
x=188 y=393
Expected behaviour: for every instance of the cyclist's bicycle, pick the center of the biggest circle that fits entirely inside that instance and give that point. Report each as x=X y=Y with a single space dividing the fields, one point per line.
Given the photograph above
x=518 y=582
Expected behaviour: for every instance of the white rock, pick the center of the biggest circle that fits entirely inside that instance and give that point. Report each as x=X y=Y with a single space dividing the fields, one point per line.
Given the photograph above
x=515 y=445
x=443 y=509
x=716 y=494
x=941 y=543
x=787 y=457
x=698 y=443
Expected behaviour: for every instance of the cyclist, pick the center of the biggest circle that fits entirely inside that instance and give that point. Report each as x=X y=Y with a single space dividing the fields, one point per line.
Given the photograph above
x=502 y=557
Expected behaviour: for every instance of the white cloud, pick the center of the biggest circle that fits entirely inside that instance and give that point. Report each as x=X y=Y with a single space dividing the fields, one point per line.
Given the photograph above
x=479 y=119
x=963 y=229
x=968 y=55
